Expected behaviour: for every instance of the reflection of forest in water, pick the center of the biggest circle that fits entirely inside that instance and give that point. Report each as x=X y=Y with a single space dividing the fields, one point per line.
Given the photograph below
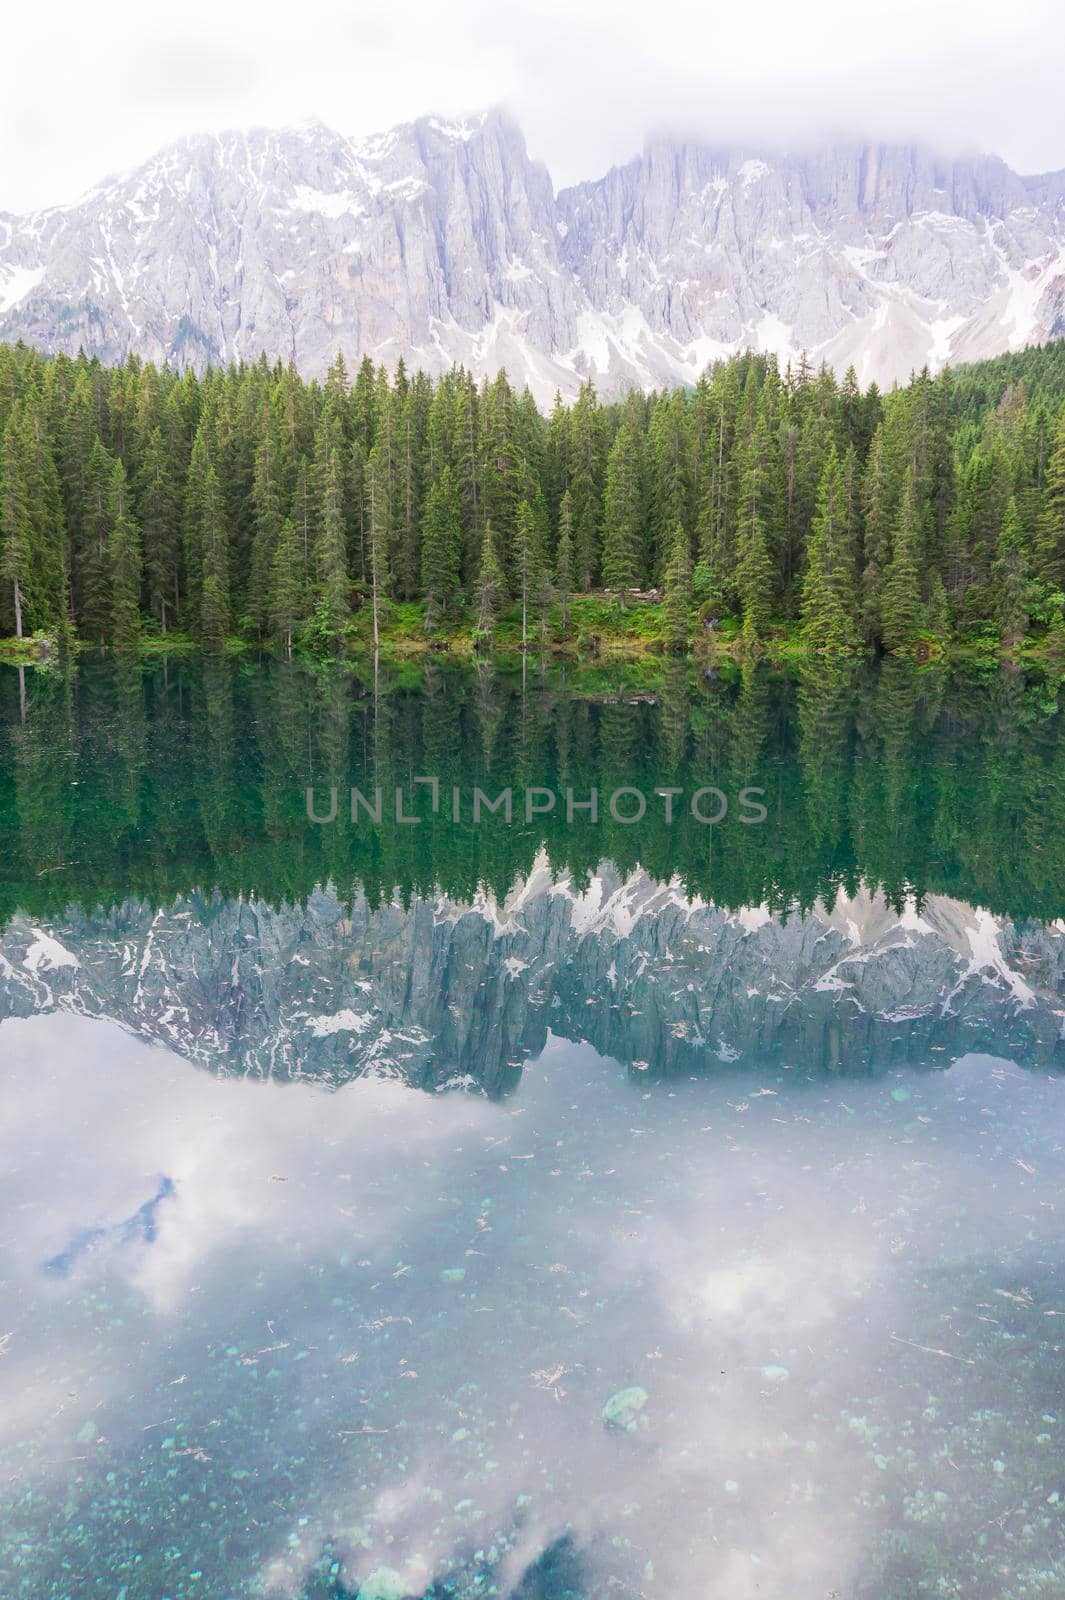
x=120 y=779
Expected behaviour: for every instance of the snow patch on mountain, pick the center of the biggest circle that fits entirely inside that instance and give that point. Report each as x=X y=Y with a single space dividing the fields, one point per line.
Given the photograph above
x=16 y=283
x=46 y=954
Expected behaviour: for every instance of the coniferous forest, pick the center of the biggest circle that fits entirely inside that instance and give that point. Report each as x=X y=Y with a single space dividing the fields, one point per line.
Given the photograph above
x=759 y=505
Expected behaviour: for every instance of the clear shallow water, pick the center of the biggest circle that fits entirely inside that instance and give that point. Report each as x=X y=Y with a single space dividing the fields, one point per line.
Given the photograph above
x=282 y=1315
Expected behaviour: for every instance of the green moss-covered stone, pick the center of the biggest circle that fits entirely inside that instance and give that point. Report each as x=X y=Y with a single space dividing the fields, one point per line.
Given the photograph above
x=383 y=1583
x=623 y=1409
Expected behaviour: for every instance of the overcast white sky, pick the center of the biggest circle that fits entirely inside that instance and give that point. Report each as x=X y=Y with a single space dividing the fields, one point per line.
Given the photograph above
x=98 y=87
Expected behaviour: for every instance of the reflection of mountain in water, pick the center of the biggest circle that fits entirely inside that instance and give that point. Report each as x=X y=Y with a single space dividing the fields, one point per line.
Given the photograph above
x=441 y=991
x=157 y=866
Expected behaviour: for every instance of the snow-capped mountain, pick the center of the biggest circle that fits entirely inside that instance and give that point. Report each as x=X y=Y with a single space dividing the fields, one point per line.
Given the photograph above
x=443 y=242
x=441 y=993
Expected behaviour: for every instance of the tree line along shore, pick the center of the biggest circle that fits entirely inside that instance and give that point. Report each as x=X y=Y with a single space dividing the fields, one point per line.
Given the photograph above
x=760 y=510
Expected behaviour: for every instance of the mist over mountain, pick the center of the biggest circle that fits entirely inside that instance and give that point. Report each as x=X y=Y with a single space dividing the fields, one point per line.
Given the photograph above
x=441 y=241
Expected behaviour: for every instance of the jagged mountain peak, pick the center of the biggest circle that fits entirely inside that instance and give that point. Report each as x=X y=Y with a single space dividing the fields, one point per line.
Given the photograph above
x=441 y=240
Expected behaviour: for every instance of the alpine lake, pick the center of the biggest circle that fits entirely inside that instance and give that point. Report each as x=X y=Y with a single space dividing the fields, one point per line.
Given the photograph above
x=552 y=1201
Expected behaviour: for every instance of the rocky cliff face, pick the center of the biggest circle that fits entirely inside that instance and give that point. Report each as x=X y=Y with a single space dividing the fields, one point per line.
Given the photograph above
x=450 y=994
x=443 y=242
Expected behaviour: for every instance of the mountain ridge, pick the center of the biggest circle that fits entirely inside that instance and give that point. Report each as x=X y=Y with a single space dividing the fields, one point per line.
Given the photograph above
x=443 y=241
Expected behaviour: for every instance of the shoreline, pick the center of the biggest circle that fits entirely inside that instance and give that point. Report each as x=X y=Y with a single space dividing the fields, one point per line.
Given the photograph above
x=641 y=642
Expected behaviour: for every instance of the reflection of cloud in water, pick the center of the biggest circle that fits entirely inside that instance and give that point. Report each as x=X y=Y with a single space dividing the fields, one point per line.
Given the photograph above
x=398 y=1316
x=142 y=1225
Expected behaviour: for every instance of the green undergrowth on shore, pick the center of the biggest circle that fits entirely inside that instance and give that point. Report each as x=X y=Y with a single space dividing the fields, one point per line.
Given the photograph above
x=595 y=628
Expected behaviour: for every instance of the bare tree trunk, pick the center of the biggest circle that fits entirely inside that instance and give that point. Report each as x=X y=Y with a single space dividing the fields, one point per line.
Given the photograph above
x=18 y=611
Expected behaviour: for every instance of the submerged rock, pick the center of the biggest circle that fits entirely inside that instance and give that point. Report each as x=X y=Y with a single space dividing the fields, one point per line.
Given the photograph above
x=384 y=1583
x=623 y=1409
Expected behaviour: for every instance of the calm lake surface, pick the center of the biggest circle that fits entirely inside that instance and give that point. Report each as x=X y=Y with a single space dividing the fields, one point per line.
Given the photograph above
x=561 y=1206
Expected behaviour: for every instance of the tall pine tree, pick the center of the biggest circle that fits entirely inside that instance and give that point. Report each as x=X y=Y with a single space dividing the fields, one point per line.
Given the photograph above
x=124 y=561
x=829 y=596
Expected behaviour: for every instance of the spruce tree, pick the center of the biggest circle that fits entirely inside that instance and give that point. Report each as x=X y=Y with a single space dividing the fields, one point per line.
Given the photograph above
x=669 y=460
x=503 y=479
x=124 y=561
x=937 y=608
x=718 y=477
x=754 y=569
x=214 y=564
x=876 y=506
x=564 y=558
x=586 y=467
x=677 y=601
x=441 y=549
x=286 y=583
x=624 y=509
x=829 y=598
x=82 y=425
x=195 y=486
x=330 y=551
x=409 y=473
x=92 y=603
x=303 y=513
x=1011 y=575
x=267 y=512
x=529 y=568
x=900 y=608
x=491 y=590
x=379 y=531
x=364 y=406
x=754 y=579
x=14 y=526
x=556 y=457
x=160 y=522
x=1050 y=547
x=464 y=445
x=44 y=497
x=543 y=597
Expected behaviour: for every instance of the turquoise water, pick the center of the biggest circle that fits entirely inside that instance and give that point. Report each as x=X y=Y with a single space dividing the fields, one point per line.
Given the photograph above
x=505 y=1212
